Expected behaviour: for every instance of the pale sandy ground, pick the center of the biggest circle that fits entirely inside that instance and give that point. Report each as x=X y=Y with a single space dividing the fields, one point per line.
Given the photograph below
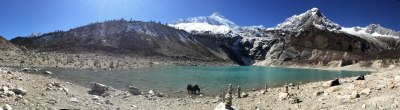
x=380 y=91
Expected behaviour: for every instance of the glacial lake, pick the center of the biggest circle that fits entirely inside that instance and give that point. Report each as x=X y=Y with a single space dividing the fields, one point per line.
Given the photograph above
x=211 y=79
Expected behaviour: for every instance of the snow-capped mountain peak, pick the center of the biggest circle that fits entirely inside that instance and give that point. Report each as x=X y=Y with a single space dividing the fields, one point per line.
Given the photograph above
x=374 y=30
x=216 y=14
x=304 y=20
x=215 y=23
x=214 y=19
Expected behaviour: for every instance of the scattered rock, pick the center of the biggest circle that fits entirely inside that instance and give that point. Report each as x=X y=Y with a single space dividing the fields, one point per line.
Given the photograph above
x=9 y=93
x=294 y=100
x=75 y=100
x=397 y=78
x=327 y=84
x=7 y=107
x=57 y=84
x=333 y=89
x=4 y=88
x=19 y=91
x=355 y=94
x=9 y=72
x=98 y=89
x=360 y=77
x=363 y=106
x=109 y=102
x=365 y=91
x=52 y=101
x=283 y=96
x=244 y=94
x=47 y=72
x=18 y=97
x=133 y=90
x=317 y=93
x=95 y=97
x=155 y=93
x=25 y=69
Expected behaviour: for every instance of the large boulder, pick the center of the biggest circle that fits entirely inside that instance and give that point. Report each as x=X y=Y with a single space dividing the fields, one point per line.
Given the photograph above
x=134 y=90
x=98 y=89
x=19 y=91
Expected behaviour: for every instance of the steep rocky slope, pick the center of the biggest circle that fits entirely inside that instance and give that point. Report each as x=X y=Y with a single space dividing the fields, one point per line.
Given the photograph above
x=308 y=39
x=5 y=45
x=120 y=37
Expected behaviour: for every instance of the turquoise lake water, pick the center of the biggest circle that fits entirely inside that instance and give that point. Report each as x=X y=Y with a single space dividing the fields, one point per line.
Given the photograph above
x=211 y=79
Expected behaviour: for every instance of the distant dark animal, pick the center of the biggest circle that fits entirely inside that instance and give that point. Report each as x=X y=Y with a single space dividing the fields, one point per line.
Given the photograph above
x=360 y=77
x=193 y=89
x=335 y=82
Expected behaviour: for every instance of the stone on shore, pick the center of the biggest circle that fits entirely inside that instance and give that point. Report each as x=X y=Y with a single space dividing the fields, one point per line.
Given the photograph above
x=26 y=69
x=98 y=89
x=47 y=72
x=134 y=90
x=155 y=93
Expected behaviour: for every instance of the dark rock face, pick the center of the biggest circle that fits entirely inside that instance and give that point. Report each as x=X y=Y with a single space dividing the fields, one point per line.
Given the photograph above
x=127 y=37
x=312 y=45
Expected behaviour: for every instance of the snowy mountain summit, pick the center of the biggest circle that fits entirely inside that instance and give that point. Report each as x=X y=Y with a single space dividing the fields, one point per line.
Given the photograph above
x=214 y=19
x=304 y=20
x=374 y=30
x=215 y=23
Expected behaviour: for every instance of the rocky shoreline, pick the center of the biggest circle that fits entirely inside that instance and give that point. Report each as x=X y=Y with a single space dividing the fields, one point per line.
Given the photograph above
x=23 y=90
x=96 y=61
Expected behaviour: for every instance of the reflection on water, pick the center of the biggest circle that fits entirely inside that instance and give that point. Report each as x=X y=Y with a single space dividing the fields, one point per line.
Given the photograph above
x=211 y=79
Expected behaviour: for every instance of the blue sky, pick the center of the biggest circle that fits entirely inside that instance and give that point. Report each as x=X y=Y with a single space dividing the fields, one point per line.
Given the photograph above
x=23 y=17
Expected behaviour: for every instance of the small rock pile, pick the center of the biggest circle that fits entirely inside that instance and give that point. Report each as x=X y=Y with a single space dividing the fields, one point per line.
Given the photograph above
x=10 y=91
x=53 y=86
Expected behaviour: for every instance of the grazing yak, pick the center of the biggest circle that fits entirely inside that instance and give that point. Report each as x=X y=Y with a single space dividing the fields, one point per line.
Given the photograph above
x=192 y=89
x=335 y=82
x=360 y=77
